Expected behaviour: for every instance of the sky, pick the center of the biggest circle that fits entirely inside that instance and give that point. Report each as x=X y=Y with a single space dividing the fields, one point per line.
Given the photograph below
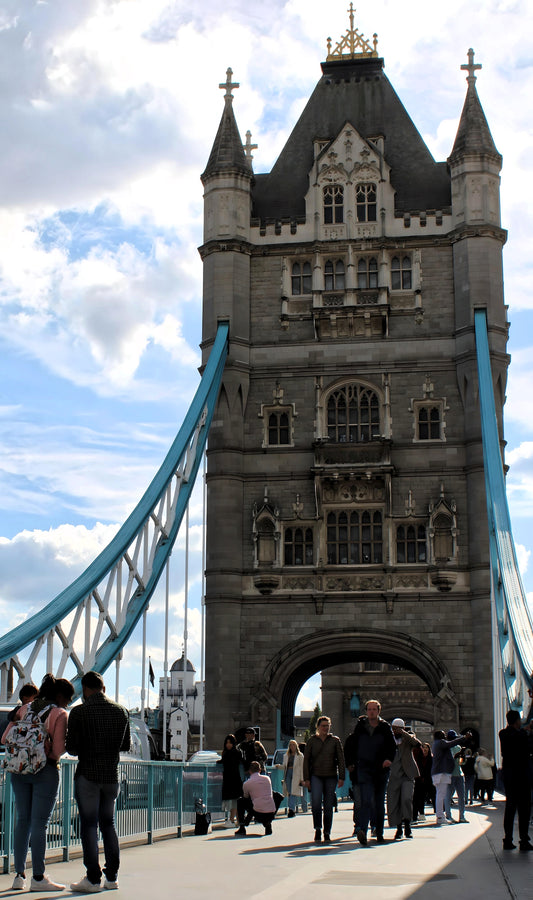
x=108 y=111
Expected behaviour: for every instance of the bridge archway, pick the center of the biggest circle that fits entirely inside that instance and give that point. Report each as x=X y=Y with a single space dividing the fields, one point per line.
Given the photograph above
x=296 y=662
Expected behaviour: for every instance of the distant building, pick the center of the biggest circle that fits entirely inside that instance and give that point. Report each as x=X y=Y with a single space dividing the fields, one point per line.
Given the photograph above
x=172 y=706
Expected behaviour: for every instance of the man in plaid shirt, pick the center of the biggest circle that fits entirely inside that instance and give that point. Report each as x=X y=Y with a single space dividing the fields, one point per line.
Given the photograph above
x=97 y=731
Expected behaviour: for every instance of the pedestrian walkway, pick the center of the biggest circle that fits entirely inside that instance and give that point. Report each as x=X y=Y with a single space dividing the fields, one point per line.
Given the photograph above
x=437 y=864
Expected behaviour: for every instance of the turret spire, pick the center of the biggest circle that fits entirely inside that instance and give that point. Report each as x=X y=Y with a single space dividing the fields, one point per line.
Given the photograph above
x=227 y=154
x=473 y=134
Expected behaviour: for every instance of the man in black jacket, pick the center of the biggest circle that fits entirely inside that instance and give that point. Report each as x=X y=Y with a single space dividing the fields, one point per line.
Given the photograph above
x=368 y=753
x=515 y=743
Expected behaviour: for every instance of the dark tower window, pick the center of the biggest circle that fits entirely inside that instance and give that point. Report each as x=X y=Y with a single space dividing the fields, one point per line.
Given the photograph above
x=333 y=196
x=353 y=414
x=354 y=538
x=298 y=546
x=366 y=202
x=367 y=273
x=334 y=275
x=301 y=279
x=401 y=273
x=411 y=544
x=429 y=421
x=278 y=428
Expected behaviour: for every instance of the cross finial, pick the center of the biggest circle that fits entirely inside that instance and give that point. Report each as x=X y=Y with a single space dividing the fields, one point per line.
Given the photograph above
x=351 y=11
x=471 y=67
x=248 y=147
x=228 y=85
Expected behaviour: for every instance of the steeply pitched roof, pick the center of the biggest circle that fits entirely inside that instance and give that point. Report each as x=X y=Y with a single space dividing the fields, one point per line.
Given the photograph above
x=356 y=90
x=227 y=154
x=473 y=134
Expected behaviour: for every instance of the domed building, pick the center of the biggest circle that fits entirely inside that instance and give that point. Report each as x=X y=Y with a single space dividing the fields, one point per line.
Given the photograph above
x=194 y=695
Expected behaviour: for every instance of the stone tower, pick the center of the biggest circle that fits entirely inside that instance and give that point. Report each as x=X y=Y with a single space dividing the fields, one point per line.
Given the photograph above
x=346 y=512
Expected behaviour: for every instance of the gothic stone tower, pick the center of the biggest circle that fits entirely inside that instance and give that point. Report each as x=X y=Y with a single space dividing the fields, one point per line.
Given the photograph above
x=346 y=512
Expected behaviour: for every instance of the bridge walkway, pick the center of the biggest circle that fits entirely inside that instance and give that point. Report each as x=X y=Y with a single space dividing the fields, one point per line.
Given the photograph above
x=461 y=860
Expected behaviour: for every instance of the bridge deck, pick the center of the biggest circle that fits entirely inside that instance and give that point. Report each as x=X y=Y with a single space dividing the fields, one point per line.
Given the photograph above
x=465 y=860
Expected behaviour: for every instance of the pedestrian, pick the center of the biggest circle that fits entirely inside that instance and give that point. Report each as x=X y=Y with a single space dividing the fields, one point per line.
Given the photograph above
x=323 y=771
x=257 y=799
x=483 y=766
x=403 y=772
x=27 y=693
x=293 y=776
x=467 y=763
x=515 y=743
x=36 y=793
x=232 y=776
x=98 y=730
x=251 y=750
x=441 y=770
x=424 y=791
x=457 y=784
x=372 y=750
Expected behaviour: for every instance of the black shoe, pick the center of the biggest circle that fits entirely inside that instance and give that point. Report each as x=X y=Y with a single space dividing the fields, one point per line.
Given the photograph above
x=399 y=833
x=318 y=836
x=268 y=828
x=327 y=839
x=361 y=837
x=508 y=845
x=355 y=830
x=525 y=846
x=407 y=829
x=380 y=839
x=291 y=814
x=241 y=831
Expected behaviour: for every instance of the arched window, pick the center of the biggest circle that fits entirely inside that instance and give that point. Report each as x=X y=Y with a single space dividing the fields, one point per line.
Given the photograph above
x=353 y=414
x=367 y=273
x=429 y=422
x=401 y=273
x=442 y=539
x=278 y=428
x=301 y=282
x=366 y=202
x=333 y=196
x=334 y=275
x=298 y=546
x=354 y=538
x=411 y=544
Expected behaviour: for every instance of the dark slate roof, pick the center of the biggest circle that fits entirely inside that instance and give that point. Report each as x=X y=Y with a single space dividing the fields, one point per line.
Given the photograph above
x=359 y=92
x=178 y=665
x=227 y=154
x=473 y=134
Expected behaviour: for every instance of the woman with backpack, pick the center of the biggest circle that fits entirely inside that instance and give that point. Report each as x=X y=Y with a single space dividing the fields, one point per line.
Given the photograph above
x=32 y=756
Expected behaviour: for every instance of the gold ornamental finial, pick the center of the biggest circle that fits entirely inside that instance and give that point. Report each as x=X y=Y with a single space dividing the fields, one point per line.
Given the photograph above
x=353 y=45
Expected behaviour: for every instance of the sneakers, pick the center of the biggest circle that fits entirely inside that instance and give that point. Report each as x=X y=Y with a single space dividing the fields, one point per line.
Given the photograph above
x=19 y=883
x=291 y=814
x=110 y=885
x=86 y=887
x=45 y=884
x=361 y=837
x=421 y=817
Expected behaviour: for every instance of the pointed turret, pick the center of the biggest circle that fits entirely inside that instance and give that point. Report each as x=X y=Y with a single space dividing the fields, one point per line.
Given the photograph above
x=473 y=134
x=227 y=154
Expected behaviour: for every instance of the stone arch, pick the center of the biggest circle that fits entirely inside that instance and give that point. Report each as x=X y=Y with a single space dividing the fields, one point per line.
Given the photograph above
x=298 y=661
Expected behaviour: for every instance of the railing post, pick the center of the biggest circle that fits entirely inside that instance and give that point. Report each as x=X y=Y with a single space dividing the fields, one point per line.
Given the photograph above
x=66 y=771
x=7 y=821
x=179 y=799
x=150 y=816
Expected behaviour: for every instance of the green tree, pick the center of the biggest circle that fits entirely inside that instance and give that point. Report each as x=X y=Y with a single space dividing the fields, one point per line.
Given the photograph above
x=317 y=712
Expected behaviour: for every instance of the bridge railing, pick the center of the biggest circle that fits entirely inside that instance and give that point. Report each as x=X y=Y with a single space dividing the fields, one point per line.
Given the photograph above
x=155 y=798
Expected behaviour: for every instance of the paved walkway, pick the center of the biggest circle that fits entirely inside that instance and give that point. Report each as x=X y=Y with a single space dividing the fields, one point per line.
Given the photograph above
x=464 y=861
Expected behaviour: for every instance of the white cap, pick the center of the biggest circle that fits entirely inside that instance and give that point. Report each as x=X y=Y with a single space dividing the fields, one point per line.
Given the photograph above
x=398 y=723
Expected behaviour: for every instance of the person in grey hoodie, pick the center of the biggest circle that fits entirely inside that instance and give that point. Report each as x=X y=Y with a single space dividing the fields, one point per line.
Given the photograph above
x=442 y=768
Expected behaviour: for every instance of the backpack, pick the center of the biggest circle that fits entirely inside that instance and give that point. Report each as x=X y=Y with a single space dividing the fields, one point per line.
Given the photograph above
x=25 y=744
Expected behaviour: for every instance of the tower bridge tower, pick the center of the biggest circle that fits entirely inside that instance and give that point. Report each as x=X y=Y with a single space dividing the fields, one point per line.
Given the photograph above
x=346 y=511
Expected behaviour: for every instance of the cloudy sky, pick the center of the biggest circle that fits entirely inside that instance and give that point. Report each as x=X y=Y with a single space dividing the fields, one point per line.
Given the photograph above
x=108 y=110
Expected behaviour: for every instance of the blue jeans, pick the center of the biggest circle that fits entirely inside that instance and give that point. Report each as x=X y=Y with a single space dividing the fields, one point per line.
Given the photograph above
x=373 y=787
x=323 y=787
x=291 y=798
x=96 y=803
x=457 y=784
x=35 y=796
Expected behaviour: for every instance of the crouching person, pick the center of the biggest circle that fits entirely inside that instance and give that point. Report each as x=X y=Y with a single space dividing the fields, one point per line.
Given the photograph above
x=257 y=800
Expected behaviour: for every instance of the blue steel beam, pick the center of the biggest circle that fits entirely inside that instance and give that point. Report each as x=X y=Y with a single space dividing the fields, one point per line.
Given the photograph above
x=514 y=624
x=180 y=465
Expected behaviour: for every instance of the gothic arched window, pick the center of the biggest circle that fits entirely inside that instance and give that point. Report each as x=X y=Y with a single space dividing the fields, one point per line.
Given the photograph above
x=333 y=197
x=334 y=275
x=301 y=281
x=366 y=202
x=367 y=273
x=298 y=546
x=353 y=414
x=411 y=544
x=401 y=273
x=354 y=538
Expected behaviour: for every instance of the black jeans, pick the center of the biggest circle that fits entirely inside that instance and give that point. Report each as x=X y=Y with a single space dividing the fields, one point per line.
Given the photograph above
x=517 y=800
x=96 y=803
